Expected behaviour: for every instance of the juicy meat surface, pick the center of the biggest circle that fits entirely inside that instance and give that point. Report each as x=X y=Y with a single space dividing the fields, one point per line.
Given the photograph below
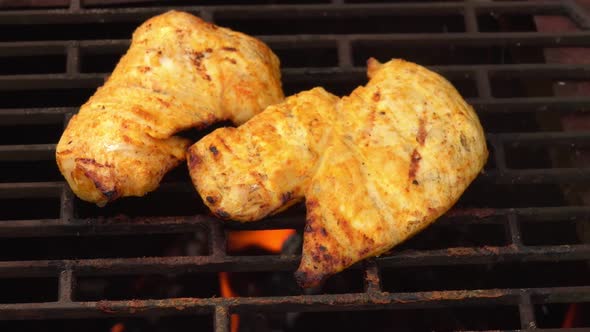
x=375 y=167
x=180 y=72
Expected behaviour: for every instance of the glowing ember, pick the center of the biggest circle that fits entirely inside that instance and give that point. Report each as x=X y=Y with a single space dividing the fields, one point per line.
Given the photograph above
x=119 y=327
x=270 y=240
x=571 y=316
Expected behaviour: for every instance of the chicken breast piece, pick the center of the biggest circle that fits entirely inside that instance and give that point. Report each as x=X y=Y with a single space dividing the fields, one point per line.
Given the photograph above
x=179 y=72
x=265 y=165
x=406 y=147
x=387 y=161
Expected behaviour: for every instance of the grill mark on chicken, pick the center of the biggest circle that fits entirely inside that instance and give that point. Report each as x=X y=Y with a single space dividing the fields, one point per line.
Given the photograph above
x=414 y=164
x=213 y=150
x=286 y=197
x=421 y=135
x=222 y=214
x=198 y=62
x=163 y=102
x=377 y=96
x=93 y=170
x=140 y=112
x=92 y=162
x=194 y=160
x=229 y=49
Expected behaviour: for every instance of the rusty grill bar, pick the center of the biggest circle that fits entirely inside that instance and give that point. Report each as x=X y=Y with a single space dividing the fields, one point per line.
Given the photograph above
x=339 y=67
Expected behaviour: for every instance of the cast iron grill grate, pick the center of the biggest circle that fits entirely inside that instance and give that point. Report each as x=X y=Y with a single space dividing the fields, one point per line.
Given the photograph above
x=516 y=245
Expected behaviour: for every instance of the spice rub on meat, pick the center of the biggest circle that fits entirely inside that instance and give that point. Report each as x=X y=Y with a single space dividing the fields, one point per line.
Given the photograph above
x=374 y=168
x=180 y=72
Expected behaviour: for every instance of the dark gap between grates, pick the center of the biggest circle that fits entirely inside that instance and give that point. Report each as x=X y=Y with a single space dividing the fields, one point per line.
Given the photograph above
x=73 y=97
x=389 y=1
x=30 y=134
x=172 y=3
x=30 y=171
x=149 y=324
x=99 y=63
x=407 y=320
x=446 y=54
x=505 y=22
x=45 y=64
x=336 y=23
x=340 y=84
x=80 y=31
x=88 y=247
x=29 y=208
x=33 y=5
x=294 y=57
x=552 y=315
x=491 y=163
x=534 y=233
x=178 y=174
x=509 y=122
x=510 y=195
x=23 y=290
x=161 y=202
x=442 y=236
x=466 y=87
x=143 y=287
x=489 y=276
x=537 y=87
x=523 y=157
x=289 y=57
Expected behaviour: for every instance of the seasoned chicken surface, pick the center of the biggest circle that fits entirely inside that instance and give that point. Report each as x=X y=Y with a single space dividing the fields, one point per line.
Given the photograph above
x=375 y=167
x=179 y=72
x=265 y=165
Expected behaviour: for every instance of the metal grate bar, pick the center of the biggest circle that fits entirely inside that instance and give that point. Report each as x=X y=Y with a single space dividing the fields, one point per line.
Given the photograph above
x=73 y=59
x=66 y=213
x=482 y=79
x=162 y=225
x=66 y=285
x=577 y=14
x=359 y=301
x=470 y=17
x=221 y=320
x=527 y=312
x=449 y=256
x=372 y=278
x=514 y=231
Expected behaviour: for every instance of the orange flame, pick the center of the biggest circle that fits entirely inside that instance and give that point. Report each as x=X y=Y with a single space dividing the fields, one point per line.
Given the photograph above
x=270 y=240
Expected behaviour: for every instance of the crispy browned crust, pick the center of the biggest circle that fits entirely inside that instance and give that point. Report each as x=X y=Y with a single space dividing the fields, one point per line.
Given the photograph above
x=179 y=72
x=387 y=161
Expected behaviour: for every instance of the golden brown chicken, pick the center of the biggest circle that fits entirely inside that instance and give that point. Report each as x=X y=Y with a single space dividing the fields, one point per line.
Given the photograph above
x=375 y=167
x=265 y=165
x=179 y=72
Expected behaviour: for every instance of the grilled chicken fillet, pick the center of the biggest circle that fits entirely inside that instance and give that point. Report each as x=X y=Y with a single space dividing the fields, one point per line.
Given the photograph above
x=179 y=72
x=375 y=167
